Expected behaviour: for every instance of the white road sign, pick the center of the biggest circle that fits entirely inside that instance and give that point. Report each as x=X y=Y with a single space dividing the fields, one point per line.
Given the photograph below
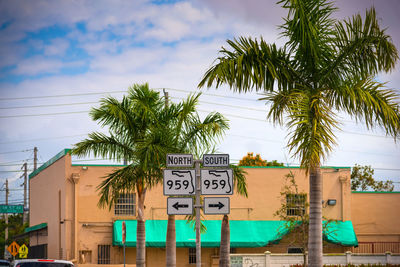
x=179 y=182
x=216 y=205
x=216 y=160
x=179 y=160
x=179 y=205
x=217 y=182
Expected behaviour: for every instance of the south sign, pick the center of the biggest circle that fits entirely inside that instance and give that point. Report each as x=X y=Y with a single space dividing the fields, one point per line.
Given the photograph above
x=216 y=160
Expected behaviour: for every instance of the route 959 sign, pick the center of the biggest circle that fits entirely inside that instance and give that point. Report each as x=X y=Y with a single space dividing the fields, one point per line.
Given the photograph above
x=217 y=182
x=179 y=182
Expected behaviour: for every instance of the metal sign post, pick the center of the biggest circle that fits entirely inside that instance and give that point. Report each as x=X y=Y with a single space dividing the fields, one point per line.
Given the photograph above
x=197 y=182
x=198 y=206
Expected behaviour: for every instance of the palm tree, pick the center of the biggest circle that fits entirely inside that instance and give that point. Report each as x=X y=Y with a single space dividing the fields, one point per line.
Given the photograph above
x=241 y=189
x=326 y=67
x=188 y=134
x=131 y=138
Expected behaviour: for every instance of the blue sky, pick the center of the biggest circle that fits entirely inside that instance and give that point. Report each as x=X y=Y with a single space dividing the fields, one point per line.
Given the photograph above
x=53 y=48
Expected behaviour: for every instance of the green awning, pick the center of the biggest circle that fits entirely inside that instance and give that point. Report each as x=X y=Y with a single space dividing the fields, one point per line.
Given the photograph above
x=35 y=227
x=341 y=233
x=244 y=234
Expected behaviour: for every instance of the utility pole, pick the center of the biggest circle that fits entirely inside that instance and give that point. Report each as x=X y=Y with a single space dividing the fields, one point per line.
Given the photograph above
x=35 y=159
x=25 y=214
x=166 y=98
x=6 y=215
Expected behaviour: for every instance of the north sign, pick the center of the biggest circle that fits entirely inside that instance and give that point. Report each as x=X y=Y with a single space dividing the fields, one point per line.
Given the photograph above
x=179 y=205
x=216 y=205
x=179 y=160
x=217 y=182
x=216 y=160
x=179 y=182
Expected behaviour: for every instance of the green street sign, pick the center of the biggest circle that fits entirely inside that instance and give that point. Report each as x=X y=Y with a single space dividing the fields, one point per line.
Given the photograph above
x=11 y=208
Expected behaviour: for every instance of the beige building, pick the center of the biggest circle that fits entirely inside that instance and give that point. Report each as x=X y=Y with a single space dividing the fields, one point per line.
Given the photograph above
x=66 y=223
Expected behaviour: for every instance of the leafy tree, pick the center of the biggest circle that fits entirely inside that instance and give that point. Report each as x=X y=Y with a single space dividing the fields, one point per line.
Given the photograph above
x=15 y=227
x=325 y=67
x=250 y=160
x=361 y=179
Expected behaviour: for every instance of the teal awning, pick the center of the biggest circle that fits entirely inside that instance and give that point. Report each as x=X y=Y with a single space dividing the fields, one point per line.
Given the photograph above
x=244 y=234
x=35 y=227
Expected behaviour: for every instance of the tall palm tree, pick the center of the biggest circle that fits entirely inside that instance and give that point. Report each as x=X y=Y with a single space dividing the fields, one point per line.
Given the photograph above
x=131 y=138
x=239 y=180
x=188 y=134
x=326 y=66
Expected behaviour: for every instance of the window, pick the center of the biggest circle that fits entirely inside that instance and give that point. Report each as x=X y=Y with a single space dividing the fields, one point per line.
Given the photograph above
x=103 y=254
x=295 y=204
x=232 y=250
x=192 y=255
x=126 y=204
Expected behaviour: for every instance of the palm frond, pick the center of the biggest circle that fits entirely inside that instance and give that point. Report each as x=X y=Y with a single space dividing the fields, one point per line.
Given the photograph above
x=369 y=101
x=116 y=183
x=103 y=146
x=363 y=48
x=251 y=64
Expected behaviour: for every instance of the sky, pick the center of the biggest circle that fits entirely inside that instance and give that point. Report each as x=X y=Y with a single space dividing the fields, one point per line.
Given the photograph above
x=59 y=58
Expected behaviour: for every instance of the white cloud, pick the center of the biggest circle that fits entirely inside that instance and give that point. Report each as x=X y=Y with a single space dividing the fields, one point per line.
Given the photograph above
x=41 y=65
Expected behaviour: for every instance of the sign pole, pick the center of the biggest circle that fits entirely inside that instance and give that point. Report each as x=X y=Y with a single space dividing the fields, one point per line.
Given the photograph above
x=198 y=206
x=124 y=237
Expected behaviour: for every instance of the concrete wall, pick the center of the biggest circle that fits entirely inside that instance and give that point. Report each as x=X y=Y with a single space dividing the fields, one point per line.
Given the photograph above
x=285 y=260
x=46 y=205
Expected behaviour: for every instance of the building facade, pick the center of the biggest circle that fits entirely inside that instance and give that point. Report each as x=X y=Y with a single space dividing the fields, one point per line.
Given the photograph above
x=67 y=223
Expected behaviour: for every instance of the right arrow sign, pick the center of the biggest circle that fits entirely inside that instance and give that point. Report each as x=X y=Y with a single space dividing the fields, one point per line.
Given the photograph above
x=216 y=205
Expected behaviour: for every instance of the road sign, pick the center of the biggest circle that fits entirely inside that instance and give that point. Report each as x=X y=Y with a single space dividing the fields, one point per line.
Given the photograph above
x=179 y=205
x=13 y=248
x=179 y=160
x=216 y=160
x=179 y=182
x=23 y=251
x=11 y=208
x=217 y=182
x=216 y=205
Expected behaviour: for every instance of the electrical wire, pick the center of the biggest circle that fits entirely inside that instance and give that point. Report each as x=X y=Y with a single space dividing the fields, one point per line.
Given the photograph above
x=66 y=95
x=18 y=151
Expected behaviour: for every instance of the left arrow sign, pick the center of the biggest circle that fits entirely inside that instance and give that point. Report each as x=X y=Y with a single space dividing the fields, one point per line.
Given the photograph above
x=179 y=205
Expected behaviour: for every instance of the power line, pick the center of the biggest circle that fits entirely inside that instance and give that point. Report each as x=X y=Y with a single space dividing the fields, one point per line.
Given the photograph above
x=43 y=114
x=18 y=151
x=41 y=139
x=51 y=105
x=66 y=95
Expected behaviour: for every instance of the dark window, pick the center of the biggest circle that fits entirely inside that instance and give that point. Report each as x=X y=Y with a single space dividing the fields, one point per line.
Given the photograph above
x=38 y=252
x=103 y=254
x=192 y=255
x=295 y=250
x=126 y=204
x=232 y=250
x=295 y=204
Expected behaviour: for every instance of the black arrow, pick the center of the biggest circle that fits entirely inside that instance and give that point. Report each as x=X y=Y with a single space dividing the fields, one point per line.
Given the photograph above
x=219 y=205
x=177 y=206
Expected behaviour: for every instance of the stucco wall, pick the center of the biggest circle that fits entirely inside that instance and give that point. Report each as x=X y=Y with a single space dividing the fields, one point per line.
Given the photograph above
x=376 y=216
x=45 y=206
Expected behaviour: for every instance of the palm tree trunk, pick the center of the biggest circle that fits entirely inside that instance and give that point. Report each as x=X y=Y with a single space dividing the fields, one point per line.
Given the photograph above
x=224 y=259
x=141 y=232
x=171 y=242
x=315 y=226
